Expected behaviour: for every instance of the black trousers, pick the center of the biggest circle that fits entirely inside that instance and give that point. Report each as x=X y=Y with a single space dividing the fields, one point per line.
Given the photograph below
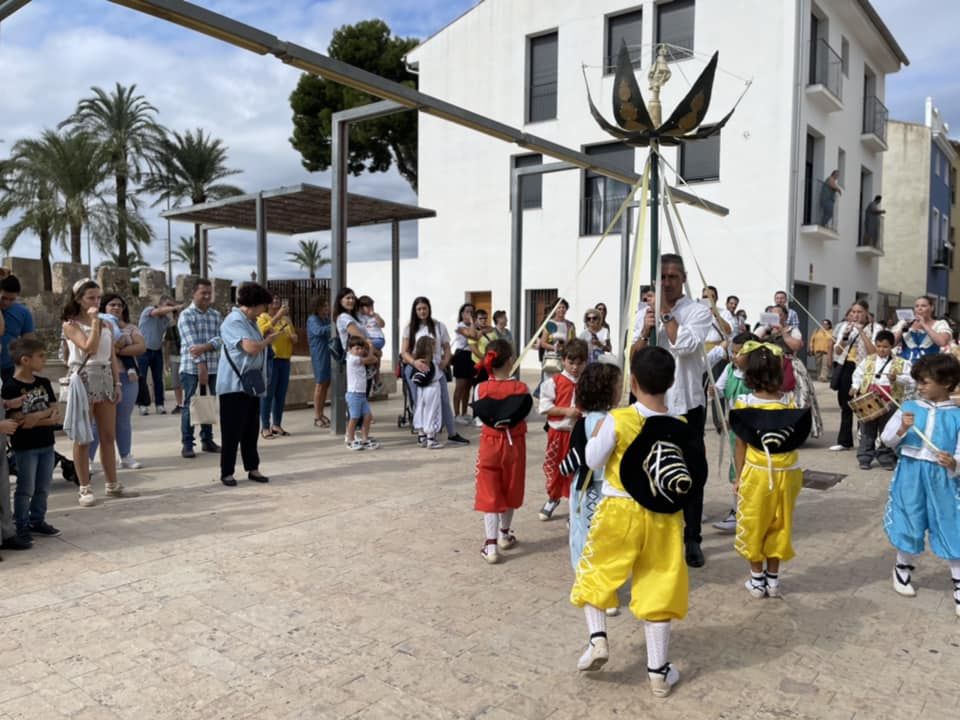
x=697 y=465
x=845 y=436
x=239 y=426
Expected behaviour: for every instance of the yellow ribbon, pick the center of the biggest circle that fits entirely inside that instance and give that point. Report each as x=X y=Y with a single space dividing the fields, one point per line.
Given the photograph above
x=751 y=345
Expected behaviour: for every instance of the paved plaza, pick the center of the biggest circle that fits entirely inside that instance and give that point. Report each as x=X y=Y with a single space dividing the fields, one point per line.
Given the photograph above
x=352 y=586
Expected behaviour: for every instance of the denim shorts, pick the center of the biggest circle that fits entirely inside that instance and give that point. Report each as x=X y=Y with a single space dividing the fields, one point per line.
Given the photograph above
x=378 y=342
x=357 y=405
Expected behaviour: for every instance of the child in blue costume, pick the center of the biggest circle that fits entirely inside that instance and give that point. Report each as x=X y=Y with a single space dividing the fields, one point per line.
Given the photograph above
x=925 y=491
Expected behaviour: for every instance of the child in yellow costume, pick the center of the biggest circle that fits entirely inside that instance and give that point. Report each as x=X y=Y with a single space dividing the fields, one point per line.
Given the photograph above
x=769 y=430
x=637 y=531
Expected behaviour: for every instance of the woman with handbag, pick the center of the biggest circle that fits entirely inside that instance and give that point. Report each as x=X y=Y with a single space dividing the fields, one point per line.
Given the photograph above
x=94 y=387
x=853 y=344
x=241 y=382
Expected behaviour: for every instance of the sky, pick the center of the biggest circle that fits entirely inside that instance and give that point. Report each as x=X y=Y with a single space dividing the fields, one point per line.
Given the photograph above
x=53 y=51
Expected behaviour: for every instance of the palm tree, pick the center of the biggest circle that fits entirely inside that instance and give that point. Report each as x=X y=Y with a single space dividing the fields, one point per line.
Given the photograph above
x=191 y=167
x=123 y=123
x=310 y=257
x=135 y=261
x=63 y=173
x=24 y=188
x=186 y=253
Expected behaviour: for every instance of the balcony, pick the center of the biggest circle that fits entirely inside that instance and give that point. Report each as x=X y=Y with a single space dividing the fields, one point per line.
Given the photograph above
x=820 y=209
x=871 y=246
x=941 y=258
x=825 y=87
x=875 y=114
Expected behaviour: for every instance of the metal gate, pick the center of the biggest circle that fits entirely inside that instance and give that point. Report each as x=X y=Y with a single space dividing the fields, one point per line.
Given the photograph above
x=301 y=295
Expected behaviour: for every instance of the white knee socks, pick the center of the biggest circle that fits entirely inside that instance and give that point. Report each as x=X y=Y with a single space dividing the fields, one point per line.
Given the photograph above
x=658 y=643
x=955 y=574
x=490 y=522
x=506 y=517
x=905 y=558
x=596 y=620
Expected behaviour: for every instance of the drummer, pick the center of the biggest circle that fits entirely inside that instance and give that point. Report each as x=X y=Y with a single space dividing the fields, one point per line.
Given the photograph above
x=886 y=377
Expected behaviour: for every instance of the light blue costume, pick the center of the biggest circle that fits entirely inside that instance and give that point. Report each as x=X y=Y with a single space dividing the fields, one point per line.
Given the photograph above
x=924 y=497
x=581 y=513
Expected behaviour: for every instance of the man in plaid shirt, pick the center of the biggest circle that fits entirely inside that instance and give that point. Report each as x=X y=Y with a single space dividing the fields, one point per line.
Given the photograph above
x=199 y=327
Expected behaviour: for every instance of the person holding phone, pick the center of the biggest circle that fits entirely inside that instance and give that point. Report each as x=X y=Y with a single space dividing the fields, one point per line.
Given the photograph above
x=276 y=319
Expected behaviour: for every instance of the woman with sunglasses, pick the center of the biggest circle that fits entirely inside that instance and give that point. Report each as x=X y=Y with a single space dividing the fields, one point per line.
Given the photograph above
x=595 y=335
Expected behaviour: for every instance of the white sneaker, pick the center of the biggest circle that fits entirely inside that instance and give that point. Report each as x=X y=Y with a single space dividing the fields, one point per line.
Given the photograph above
x=490 y=553
x=506 y=540
x=549 y=507
x=356 y=445
x=370 y=444
x=838 y=448
x=595 y=656
x=144 y=410
x=477 y=422
x=130 y=462
x=433 y=445
x=612 y=612
x=85 y=497
x=901 y=582
x=462 y=420
x=729 y=524
x=757 y=591
x=117 y=490
x=663 y=680
x=773 y=590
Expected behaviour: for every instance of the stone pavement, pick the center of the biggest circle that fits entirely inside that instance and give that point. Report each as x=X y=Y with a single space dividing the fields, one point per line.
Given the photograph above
x=351 y=586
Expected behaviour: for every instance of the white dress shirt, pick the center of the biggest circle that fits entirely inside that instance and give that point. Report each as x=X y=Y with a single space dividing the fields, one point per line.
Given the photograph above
x=694 y=322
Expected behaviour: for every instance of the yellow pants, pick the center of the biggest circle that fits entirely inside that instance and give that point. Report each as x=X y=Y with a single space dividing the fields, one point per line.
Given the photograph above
x=765 y=516
x=627 y=539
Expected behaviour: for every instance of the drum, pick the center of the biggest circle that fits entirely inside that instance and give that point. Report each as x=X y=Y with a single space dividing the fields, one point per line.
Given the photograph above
x=552 y=363
x=870 y=406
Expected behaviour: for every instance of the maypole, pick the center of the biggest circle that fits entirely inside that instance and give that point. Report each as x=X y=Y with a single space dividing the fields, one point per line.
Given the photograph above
x=658 y=77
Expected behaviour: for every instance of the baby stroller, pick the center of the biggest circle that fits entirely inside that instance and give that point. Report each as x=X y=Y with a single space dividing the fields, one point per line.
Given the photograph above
x=405 y=419
x=67 y=468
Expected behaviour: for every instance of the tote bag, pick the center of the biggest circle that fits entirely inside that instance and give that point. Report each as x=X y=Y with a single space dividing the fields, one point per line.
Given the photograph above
x=204 y=409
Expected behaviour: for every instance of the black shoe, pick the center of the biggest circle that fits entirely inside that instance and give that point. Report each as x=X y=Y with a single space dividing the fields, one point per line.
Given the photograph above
x=257 y=476
x=176 y=409
x=457 y=439
x=210 y=446
x=229 y=481
x=20 y=541
x=888 y=468
x=864 y=466
x=187 y=452
x=694 y=555
x=44 y=528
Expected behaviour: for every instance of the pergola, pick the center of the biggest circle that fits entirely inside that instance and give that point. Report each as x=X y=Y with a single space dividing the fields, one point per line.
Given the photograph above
x=299 y=209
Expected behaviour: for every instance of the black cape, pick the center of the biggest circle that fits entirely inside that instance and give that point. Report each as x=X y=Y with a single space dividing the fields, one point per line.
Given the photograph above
x=653 y=469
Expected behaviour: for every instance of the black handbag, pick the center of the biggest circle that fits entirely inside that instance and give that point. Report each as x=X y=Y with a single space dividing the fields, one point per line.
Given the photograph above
x=251 y=381
x=835 y=376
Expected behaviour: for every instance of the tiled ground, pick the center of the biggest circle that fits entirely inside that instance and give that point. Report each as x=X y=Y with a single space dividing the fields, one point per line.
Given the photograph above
x=351 y=586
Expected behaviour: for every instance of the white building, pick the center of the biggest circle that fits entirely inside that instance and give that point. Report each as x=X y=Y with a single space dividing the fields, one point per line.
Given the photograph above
x=815 y=105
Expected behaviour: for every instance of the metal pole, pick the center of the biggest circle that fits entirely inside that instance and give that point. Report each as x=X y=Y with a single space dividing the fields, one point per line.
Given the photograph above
x=340 y=148
x=625 y=267
x=654 y=224
x=204 y=253
x=516 y=261
x=261 y=218
x=169 y=252
x=395 y=293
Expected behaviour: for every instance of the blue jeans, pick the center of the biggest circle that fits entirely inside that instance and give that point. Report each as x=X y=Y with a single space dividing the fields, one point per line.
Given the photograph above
x=152 y=360
x=278 y=382
x=445 y=405
x=128 y=398
x=34 y=475
x=190 y=384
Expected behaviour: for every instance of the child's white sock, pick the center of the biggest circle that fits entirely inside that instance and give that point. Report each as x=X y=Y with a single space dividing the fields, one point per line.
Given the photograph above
x=906 y=559
x=772 y=579
x=596 y=620
x=506 y=517
x=905 y=562
x=658 y=643
x=955 y=574
x=758 y=579
x=490 y=521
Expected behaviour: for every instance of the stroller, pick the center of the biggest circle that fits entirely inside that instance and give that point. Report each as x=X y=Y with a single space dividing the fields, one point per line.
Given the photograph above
x=405 y=419
x=67 y=468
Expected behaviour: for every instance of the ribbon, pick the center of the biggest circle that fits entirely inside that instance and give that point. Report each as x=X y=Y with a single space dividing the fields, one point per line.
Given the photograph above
x=752 y=345
x=487 y=362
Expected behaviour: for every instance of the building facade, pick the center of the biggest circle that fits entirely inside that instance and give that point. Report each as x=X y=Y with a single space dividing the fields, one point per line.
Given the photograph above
x=815 y=104
x=920 y=200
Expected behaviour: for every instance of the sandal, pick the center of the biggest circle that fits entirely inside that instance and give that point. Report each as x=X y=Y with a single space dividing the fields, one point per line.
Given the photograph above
x=267 y=434
x=279 y=431
x=323 y=421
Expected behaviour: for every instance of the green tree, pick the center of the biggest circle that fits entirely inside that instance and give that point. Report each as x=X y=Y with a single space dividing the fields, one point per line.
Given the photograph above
x=135 y=261
x=26 y=189
x=309 y=257
x=125 y=126
x=374 y=144
x=191 y=167
x=187 y=253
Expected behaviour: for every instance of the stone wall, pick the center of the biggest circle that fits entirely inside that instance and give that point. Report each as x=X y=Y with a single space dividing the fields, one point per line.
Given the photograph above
x=28 y=271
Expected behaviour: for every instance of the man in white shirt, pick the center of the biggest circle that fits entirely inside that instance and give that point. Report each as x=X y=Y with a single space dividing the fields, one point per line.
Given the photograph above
x=682 y=326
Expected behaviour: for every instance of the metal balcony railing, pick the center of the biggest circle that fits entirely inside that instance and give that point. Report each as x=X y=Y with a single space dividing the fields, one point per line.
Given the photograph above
x=826 y=68
x=820 y=205
x=875 y=116
x=872 y=238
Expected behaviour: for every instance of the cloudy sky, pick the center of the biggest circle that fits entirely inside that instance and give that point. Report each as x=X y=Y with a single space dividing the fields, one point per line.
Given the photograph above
x=52 y=51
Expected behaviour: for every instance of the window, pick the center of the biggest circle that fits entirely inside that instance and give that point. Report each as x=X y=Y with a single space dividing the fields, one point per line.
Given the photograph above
x=936 y=162
x=842 y=166
x=945 y=230
x=844 y=56
x=624 y=28
x=542 y=79
x=675 y=28
x=531 y=186
x=602 y=196
x=700 y=159
x=935 y=228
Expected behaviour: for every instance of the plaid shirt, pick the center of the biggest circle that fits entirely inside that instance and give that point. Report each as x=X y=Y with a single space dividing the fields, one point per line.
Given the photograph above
x=198 y=328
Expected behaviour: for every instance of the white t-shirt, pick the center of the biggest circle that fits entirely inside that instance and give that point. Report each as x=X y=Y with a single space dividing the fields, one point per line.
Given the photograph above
x=440 y=337
x=459 y=341
x=344 y=321
x=356 y=374
x=372 y=326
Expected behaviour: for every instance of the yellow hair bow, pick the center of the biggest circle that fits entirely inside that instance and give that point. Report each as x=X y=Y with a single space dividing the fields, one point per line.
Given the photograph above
x=750 y=345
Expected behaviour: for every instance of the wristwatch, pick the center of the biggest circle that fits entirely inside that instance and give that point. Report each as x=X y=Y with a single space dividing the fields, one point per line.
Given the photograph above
x=665 y=318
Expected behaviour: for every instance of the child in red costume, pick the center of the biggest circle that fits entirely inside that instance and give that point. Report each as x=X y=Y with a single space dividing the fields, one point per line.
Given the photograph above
x=502 y=404
x=558 y=403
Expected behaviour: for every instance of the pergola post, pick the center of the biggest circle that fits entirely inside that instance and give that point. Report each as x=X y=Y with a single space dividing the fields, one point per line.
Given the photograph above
x=395 y=291
x=204 y=252
x=261 y=215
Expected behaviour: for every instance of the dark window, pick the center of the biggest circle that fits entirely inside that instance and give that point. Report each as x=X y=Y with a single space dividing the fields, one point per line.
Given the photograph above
x=531 y=186
x=624 y=28
x=700 y=159
x=845 y=56
x=542 y=80
x=836 y=296
x=675 y=28
x=602 y=196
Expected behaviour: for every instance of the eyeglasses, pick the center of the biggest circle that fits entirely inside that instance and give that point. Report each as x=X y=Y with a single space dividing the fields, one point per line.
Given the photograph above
x=592 y=318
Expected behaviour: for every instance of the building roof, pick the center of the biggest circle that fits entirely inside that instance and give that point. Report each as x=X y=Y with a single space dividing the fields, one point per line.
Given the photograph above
x=439 y=30
x=884 y=31
x=295 y=209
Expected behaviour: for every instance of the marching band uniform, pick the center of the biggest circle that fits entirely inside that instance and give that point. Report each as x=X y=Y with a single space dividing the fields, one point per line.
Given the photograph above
x=873 y=374
x=557 y=391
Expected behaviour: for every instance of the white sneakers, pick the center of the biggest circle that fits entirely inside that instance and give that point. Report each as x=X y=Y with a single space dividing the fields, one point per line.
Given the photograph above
x=463 y=420
x=901 y=581
x=839 y=448
x=663 y=680
x=506 y=540
x=130 y=462
x=85 y=497
x=757 y=589
x=489 y=552
x=729 y=524
x=595 y=656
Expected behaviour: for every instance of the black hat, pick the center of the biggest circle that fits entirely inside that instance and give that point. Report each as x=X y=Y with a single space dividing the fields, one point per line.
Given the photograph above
x=777 y=431
x=653 y=469
x=421 y=378
x=507 y=412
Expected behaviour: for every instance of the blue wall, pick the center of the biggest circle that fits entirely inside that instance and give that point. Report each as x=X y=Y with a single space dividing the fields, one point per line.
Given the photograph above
x=938 y=279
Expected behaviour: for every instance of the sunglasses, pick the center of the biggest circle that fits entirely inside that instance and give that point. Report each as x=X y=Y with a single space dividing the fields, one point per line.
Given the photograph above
x=592 y=318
